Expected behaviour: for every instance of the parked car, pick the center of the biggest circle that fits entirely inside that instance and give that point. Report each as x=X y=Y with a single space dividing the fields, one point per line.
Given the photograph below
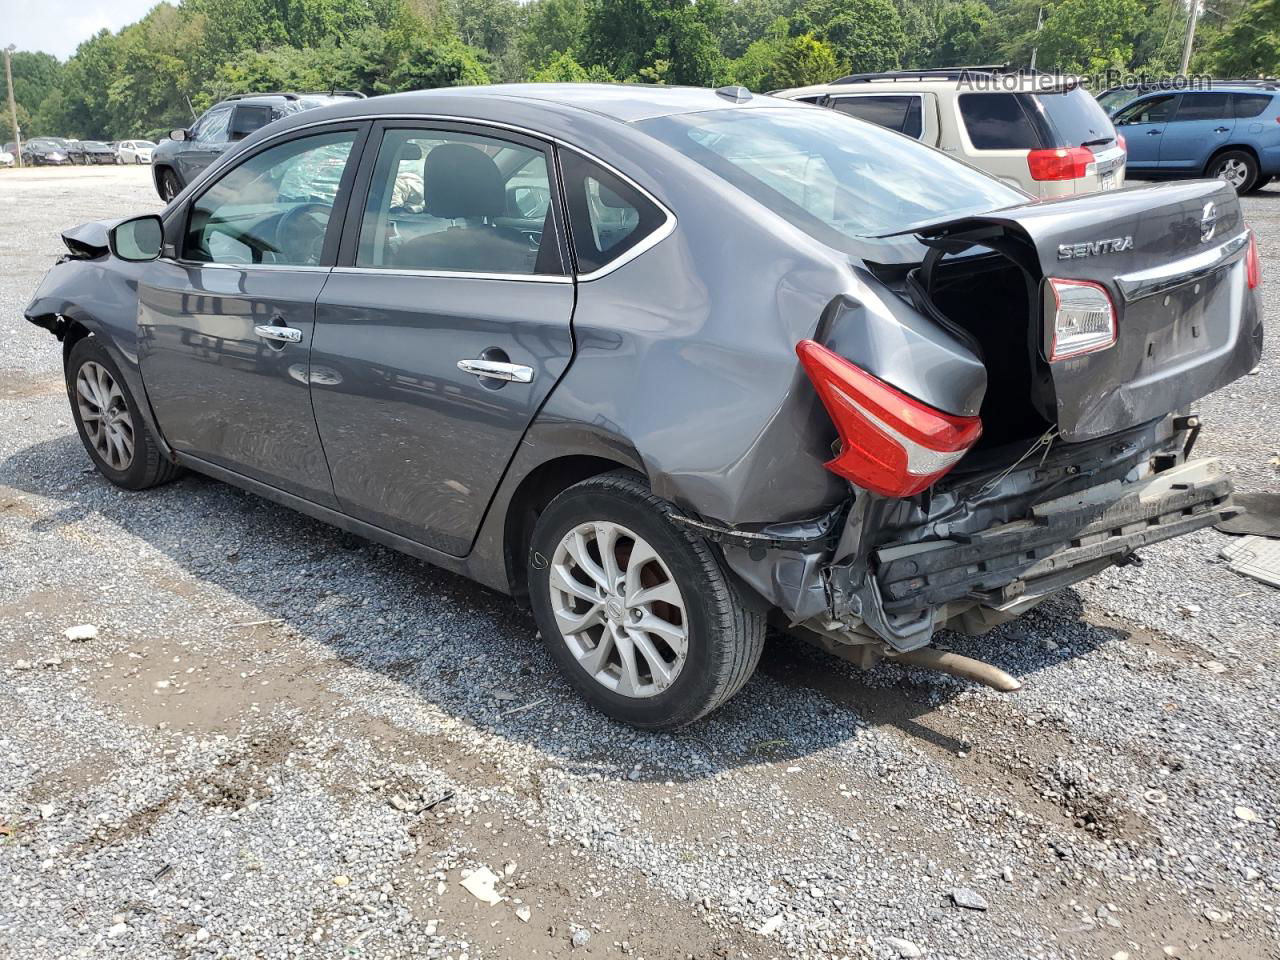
x=1113 y=98
x=90 y=151
x=666 y=363
x=188 y=151
x=1232 y=133
x=45 y=151
x=6 y=158
x=135 y=151
x=1042 y=134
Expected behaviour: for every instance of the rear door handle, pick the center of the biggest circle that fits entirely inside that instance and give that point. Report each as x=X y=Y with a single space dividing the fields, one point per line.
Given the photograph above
x=284 y=334
x=1153 y=133
x=1221 y=129
x=494 y=370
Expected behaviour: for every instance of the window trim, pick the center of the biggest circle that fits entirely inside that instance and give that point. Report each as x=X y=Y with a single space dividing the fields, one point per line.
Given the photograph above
x=656 y=237
x=177 y=220
x=358 y=199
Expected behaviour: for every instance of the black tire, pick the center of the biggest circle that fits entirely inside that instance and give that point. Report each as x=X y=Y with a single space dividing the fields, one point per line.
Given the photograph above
x=146 y=466
x=1237 y=159
x=724 y=638
x=169 y=185
x=1260 y=183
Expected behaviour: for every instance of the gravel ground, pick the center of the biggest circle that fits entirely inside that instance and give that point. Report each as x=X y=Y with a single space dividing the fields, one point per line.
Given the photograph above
x=286 y=742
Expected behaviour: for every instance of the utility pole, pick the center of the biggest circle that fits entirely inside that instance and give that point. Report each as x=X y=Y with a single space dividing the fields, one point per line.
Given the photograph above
x=1036 y=49
x=13 y=107
x=1191 y=36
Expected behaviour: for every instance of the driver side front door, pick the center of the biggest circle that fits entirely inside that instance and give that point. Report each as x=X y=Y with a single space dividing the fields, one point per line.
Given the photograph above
x=226 y=316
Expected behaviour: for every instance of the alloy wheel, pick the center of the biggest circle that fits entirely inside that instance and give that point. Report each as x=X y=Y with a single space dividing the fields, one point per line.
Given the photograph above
x=1235 y=172
x=619 y=610
x=105 y=415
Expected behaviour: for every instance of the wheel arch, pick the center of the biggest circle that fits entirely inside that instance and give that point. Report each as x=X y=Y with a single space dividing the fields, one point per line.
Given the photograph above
x=1227 y=148
x=157 y=171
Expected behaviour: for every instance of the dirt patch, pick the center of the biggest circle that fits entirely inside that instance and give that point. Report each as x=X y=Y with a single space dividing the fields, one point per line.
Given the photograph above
x=21 y=384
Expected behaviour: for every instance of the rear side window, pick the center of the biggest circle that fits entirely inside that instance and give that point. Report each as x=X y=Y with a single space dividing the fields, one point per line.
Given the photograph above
x=1250 y=104
x=996 y=121
x=895 y=113
x=1203 y=106
x=608 y=217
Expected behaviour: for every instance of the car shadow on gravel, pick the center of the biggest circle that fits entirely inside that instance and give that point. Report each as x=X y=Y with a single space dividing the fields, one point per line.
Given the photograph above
x=442 y=640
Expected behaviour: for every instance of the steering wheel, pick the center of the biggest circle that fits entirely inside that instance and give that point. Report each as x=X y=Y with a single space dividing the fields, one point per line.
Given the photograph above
x=300 y=233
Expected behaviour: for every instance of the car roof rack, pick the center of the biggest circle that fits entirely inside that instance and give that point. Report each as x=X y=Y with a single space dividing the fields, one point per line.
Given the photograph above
x=939 y=73
x=295 y=95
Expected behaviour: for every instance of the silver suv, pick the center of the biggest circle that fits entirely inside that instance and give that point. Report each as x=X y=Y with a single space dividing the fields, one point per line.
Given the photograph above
x=1043 y=134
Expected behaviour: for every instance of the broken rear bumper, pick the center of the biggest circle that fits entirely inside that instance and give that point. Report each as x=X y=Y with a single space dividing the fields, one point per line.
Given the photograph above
x=1065 y=541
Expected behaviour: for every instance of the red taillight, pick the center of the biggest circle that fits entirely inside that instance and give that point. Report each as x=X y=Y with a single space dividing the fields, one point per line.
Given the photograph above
x=1059 y=163
x=1122 y=142
x=1252 y=265
x=1084 y=318
x=890 y=443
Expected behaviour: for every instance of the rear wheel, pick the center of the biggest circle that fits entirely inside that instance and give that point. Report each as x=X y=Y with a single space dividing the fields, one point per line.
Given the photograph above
x=637 y=611
x=1236 y=167
x=107 y=420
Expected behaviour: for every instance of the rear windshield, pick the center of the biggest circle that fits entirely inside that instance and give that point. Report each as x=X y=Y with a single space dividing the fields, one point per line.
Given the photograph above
x=837 y=178
x=1028 y=121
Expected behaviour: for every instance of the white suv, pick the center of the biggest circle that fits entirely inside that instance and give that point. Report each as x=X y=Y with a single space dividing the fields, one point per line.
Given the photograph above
x=1046 y=135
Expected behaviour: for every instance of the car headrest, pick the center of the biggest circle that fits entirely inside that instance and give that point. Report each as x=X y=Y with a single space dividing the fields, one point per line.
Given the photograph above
x=460 y=182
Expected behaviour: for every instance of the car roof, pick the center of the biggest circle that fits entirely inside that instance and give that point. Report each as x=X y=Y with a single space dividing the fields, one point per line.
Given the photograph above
x=929 y=82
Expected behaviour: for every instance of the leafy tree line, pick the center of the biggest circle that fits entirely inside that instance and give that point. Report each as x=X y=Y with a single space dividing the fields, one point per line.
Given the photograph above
x=179 y=59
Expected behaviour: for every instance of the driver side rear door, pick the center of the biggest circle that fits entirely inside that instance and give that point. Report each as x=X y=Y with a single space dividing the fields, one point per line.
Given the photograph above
x=226 y=315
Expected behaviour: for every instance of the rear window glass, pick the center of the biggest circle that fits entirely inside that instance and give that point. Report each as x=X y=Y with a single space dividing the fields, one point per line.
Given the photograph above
x=894 y=113
x=839 y=182
x=1073 y=118
x=1250 y=104
x=996 y=121
x=1203 y=106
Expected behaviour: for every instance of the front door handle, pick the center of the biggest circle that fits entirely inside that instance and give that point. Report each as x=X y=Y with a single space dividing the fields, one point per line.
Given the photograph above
x=1221 y=129
x=269 y=331
x=1153 y=133
x=494 y=370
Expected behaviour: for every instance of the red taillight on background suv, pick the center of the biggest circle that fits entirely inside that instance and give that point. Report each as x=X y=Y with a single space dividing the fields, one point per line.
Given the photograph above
x=1059 y=163
x=890 y=443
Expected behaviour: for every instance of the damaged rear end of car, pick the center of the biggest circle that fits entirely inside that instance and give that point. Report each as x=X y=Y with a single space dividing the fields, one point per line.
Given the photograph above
x=1099 y=322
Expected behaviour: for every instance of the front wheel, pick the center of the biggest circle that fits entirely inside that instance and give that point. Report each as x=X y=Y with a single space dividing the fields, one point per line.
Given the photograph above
x=638 y=611
x=107 y=419
x=1236 y=167
x=169 y=185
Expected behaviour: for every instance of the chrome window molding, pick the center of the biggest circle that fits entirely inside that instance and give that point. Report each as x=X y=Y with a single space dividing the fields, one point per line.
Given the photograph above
x=201 y=264
x=1144 y=283
x=456 y=274
x=657 y=236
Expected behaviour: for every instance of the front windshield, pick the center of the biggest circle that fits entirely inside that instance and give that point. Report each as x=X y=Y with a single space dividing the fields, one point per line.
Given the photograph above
x=839 y=179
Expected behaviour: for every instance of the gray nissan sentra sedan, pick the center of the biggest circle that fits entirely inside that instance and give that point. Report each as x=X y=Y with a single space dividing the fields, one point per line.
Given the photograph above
x=671 y=364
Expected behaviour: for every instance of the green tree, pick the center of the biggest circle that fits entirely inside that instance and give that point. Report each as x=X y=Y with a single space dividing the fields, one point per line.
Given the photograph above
x=778 y=61
x=626 y=36
x=1089 y=36
x=963 y=35
x=1249 y=44
x=867 y=35
x=553 y=28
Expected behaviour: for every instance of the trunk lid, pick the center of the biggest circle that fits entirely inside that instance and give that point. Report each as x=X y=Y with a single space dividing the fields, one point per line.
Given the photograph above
x=1171 y=257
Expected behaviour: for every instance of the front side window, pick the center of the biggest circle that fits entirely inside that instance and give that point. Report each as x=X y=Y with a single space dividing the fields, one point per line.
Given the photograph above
x=607 y=216
x=1203 y=106
x=460 y=203
x=273 y=208
x=1155 y=110
x=212 y=127
x=841 y=182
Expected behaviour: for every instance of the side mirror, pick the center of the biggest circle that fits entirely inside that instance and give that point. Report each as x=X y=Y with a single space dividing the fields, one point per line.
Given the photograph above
x=137 y=240
x=178 y=135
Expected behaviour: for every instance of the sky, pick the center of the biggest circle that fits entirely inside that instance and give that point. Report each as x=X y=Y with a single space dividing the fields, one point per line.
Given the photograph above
x=59 y=26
